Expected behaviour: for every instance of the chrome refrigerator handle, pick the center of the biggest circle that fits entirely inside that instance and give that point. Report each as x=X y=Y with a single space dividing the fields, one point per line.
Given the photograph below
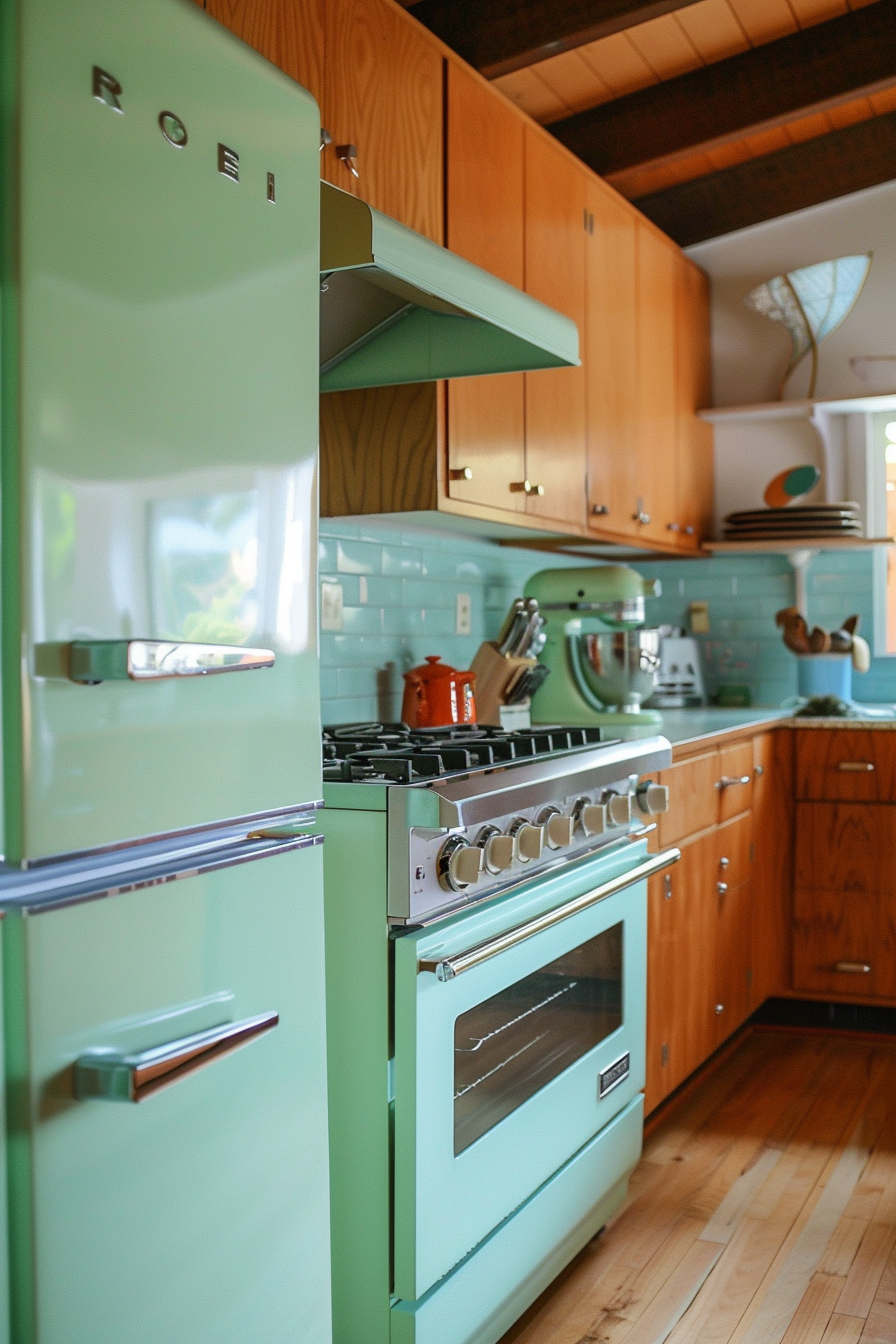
x=93 y=661
x=449 y=967
x=110 y=1076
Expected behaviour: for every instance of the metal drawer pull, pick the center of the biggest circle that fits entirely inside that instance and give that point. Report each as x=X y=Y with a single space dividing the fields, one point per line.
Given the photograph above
x=727 y=780
x=853 y=967
x=110 y=1076
x=856 y=767
x=348 y=154
x=721 y=888
x=449 y=967
x=93 y=661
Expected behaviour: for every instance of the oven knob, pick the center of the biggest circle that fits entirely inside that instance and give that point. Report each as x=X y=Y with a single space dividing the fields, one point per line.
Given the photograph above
x=652 y=798
x=499 y=853
x=619 y=807
x=459 y=864
x=592 y=816
x=560 y=831
x=529 y=840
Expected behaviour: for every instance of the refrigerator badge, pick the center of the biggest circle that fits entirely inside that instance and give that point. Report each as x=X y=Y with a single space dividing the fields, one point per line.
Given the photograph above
x=106 y=89
x=228 y=163
x=173 y=129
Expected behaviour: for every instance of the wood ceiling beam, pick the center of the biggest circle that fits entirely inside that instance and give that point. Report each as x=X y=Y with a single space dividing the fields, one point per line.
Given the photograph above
x=810 y=71
x=497 y=36
x=776 y=184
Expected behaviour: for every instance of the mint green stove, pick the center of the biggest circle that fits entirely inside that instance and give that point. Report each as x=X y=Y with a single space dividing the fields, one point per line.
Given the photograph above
x=486 y=916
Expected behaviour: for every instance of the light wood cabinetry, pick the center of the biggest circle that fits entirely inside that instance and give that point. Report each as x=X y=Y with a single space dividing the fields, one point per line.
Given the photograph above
x=288 y=33
x=655 y=444
x=484 y=200
x=555 y=220
x=844 y=911
x=718 y=921
x=692 y=518
x=383 y=95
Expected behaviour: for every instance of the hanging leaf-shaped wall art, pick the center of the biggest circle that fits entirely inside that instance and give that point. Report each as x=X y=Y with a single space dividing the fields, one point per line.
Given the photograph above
x=811 y=302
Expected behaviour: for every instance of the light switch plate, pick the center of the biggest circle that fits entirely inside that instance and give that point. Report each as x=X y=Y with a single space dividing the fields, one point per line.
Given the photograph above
x=331 y=606
x=463 y=618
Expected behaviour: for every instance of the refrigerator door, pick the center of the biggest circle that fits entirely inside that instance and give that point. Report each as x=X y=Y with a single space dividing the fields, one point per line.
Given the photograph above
x=159 y=429
x=199 y=1213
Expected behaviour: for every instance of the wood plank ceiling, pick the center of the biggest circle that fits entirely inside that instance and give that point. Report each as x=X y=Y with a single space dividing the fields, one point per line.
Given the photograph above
x=710 y=115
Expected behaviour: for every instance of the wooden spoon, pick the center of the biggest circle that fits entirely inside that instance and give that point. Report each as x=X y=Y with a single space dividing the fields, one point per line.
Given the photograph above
x=819 y=641
x=851 y=624
x=861 y=654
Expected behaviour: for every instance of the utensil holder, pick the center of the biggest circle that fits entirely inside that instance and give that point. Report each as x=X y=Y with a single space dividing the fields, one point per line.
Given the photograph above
x=496 y=674
x=825 y=674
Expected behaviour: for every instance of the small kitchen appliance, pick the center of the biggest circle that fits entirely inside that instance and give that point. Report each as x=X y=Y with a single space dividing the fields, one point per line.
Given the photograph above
x=486 y=953
x=437 y=696
x=603 y=659
x=680 y=682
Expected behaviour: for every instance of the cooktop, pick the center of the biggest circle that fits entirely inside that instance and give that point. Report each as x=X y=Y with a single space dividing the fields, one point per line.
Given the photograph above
x=396 y=754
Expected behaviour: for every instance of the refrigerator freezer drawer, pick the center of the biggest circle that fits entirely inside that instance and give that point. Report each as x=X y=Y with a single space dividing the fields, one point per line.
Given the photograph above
x=482 y=1298
x=160 y=478
x=201 y=1214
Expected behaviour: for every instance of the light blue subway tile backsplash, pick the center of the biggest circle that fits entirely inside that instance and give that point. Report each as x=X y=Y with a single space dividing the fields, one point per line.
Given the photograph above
x=400 y=592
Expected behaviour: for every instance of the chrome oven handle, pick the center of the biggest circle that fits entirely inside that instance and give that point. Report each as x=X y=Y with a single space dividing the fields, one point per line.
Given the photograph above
x=110 y=1076
x=96 y=660
x=447 y=968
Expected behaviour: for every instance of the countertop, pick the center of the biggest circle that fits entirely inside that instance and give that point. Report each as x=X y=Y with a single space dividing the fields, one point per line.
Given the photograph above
x=684 y=726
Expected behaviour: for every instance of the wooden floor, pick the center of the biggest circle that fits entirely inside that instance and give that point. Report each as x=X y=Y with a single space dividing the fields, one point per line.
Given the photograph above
x=762 y=1212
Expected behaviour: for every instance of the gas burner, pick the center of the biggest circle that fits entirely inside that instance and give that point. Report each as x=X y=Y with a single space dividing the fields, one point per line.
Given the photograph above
x=393 y=753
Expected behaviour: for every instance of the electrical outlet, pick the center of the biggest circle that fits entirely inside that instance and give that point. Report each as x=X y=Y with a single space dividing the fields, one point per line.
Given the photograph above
x=463 y=614
x=331 y=606
x=699 y=618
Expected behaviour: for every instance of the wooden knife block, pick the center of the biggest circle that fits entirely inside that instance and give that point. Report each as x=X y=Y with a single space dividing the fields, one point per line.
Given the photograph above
x=496 y=674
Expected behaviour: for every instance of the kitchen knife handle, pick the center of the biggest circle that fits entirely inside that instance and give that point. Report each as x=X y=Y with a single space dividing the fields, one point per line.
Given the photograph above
x=92 y=661
x=110 y=1076
x=447 y=968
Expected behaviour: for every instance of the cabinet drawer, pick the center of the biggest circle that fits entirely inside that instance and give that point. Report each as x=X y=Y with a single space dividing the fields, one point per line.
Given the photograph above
x=733 y=842
x=846 y=847
x=844 y=943
x=852 y=765
x=693 y=798
x=735 y=779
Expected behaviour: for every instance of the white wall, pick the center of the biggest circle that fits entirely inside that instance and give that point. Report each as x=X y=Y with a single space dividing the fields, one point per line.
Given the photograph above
x=749 y=352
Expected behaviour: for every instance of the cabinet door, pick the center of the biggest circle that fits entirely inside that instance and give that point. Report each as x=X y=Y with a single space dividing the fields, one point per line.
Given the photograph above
x=733 y=887
x=289 y=33
x=383 y=95
x=555 y=274
x=484 y=223
x=611 y=335
x=656 y=462
x=691 y=520
x=200 y=1214
x=846 y=765
x=772 y=841
x=681 y=980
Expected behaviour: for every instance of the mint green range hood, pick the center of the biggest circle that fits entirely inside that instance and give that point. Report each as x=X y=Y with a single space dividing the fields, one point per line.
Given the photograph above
x=397 y=308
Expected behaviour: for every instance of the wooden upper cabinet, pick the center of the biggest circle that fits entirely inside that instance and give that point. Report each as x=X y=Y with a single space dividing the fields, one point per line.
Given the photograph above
x=656 y=438
x=694 y=439
x=289 y=33
x=383 y=95
x=611 y=336
x=484 y=224
x=555 y=219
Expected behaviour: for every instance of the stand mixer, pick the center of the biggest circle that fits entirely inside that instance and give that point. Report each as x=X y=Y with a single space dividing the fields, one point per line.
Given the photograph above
x=603 y=659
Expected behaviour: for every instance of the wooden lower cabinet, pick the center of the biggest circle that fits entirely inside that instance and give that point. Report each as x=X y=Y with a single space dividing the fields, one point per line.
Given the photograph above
x=719 y=920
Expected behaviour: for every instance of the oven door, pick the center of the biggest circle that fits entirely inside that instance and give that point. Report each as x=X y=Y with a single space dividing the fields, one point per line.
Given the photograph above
x=519 y=1033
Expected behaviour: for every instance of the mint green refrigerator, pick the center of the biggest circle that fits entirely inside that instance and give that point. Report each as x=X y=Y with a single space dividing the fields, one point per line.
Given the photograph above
x=161 y=887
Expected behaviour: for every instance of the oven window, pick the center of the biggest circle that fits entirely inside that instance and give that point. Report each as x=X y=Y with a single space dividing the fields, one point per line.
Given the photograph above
x=511 y=1045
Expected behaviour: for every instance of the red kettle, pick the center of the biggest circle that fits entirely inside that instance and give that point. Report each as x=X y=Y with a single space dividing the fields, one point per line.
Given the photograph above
x=437 y=696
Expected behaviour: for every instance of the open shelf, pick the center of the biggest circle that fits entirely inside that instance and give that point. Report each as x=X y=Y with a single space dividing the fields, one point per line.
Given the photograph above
x=797 y=409
x=786 y=545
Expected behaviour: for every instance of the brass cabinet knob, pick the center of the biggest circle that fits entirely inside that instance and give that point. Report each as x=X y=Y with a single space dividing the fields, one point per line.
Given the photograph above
x=348 y=154
x=526 y=488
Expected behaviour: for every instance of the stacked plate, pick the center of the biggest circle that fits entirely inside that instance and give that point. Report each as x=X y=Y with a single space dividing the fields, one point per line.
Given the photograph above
x=795 y=522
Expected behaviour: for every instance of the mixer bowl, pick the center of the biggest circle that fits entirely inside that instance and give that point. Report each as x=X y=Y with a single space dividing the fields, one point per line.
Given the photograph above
x=616 y=667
